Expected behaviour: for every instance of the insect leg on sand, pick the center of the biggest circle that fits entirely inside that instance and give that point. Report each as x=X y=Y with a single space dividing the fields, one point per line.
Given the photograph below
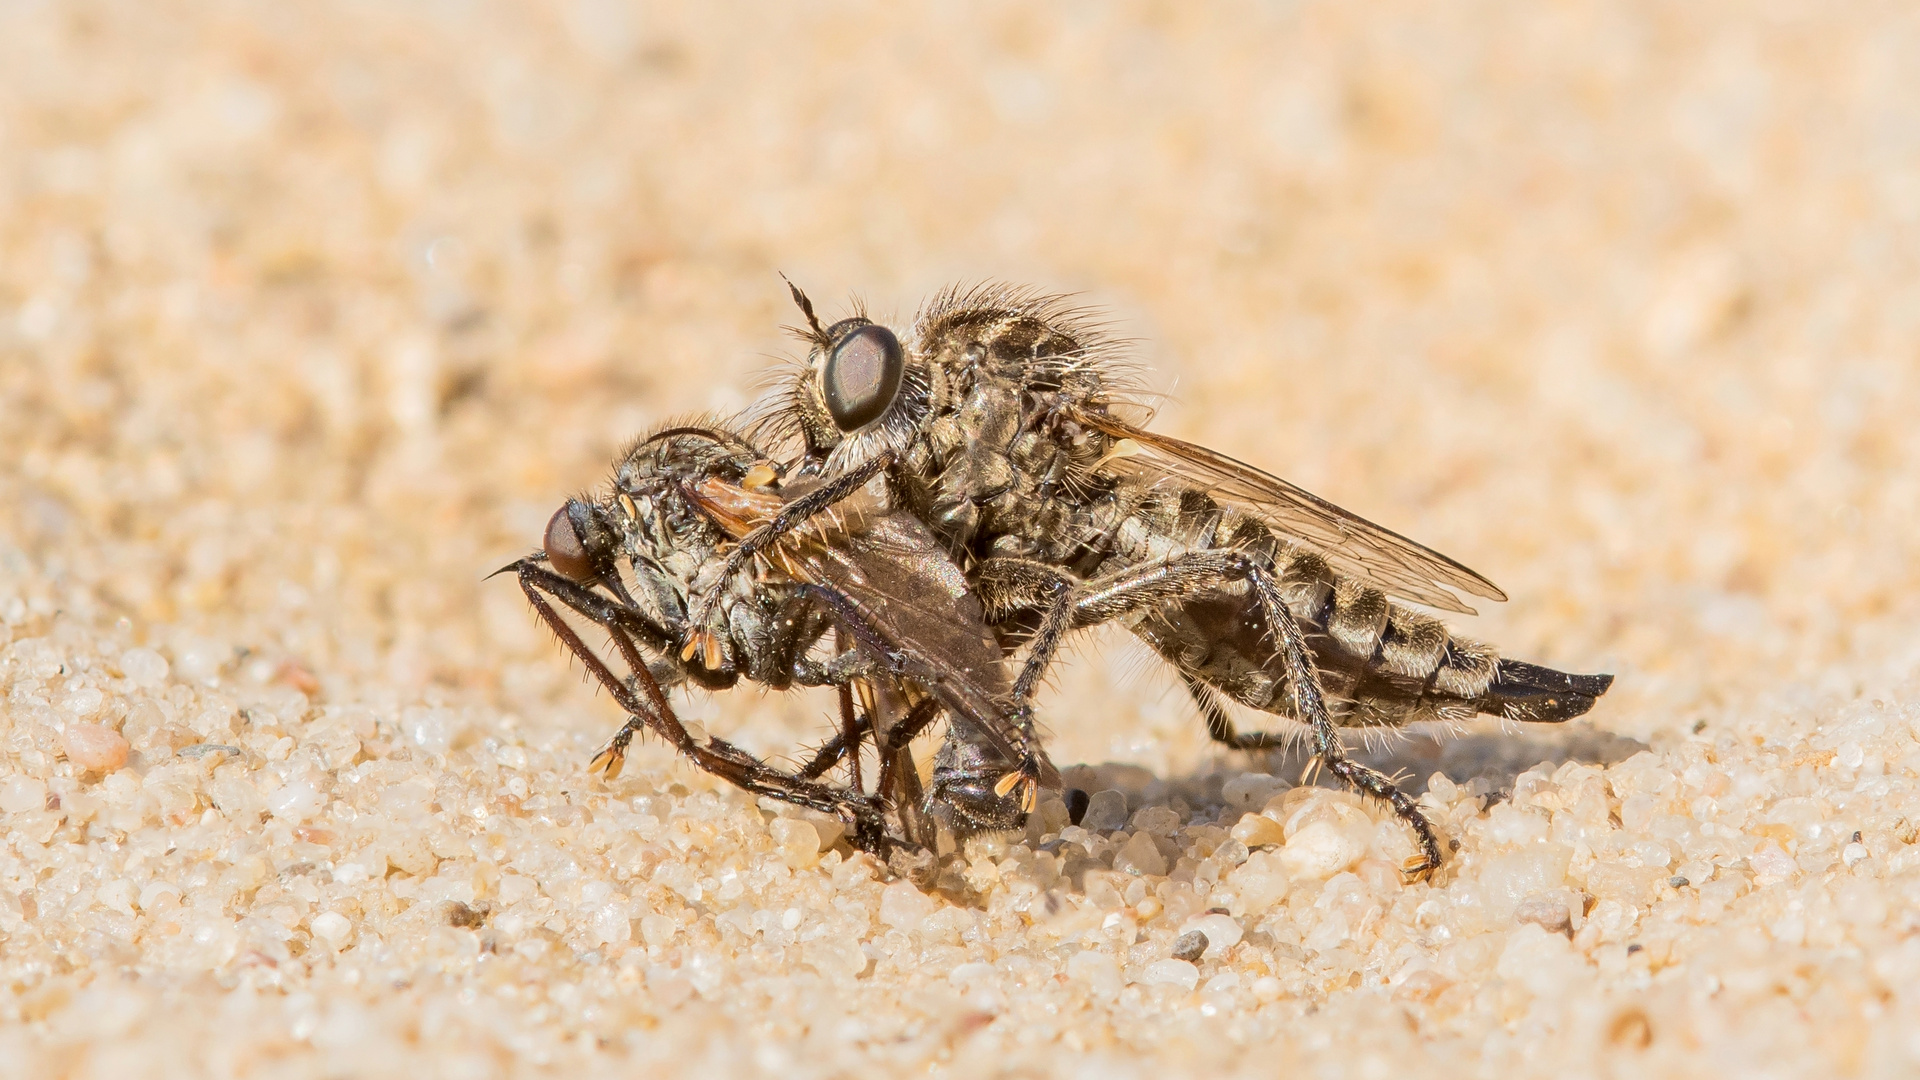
x=1007 y=585
x=647 y=708
x=657 y=566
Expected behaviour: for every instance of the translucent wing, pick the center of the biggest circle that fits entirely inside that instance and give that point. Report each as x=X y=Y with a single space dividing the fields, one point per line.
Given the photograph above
x=1352 y=545
x=890 y=579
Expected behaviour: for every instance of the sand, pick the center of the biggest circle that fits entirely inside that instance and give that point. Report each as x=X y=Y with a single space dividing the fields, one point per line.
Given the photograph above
x=310 y=315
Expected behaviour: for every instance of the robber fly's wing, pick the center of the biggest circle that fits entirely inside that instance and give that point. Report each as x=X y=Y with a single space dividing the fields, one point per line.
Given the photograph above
x=1353 y=545
x=910 y=593
x=902 y=588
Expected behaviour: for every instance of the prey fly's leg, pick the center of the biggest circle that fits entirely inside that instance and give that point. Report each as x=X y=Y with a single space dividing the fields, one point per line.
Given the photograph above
x=849 y=724
x=866 y=827
x=973 y=776
x=898 y=786
x=835 y=749
x=792 y=516
x=1016 y=584
x=899 y=783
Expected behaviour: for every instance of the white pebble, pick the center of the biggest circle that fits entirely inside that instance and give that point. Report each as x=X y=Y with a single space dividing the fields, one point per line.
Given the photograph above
x=295 y=800
x=83 y=702
x=977 y=971
x=1140 y=856
x=1097 y=970
x=144 y=667
x=658 y=930
x=1250 y=791
x=429 y=729
x=904 y=907
x=798 y=842
x=199 y=659
x=1158 y=820
x=1547 y=911
x=1222 y=986
x=1172 y=972
x=22 y=793
x=1259 y=883
x=1321 y=850
x=610 y=926
x=1259 y=830
x=330 y=927
x=1223 y=932
x=159 y=894
x=835 y=954
x=1772 y=863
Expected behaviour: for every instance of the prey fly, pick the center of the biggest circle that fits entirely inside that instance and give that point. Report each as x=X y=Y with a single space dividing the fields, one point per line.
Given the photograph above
x=852 y=595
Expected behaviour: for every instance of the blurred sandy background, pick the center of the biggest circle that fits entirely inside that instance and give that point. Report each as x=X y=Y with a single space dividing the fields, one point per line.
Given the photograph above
x=310 y=314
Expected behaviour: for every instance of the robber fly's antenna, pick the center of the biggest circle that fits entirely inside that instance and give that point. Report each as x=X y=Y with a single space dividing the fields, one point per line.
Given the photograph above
x=806 y=308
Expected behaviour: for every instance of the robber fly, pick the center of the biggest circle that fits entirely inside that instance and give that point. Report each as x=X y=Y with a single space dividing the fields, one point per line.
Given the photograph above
x=1000 y=420
x=869 y=586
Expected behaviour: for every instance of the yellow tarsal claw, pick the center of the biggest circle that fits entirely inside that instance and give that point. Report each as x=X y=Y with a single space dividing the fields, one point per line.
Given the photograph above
x=1007 y=783
x=705 y=645
x=1030 y=798
x=609 y=763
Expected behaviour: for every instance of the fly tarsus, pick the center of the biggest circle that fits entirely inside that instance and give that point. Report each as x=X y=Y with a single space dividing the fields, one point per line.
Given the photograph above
x=1375 y=783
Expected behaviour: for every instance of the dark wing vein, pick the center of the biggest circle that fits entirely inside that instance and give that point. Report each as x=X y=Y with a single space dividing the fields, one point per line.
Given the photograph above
x=1351 y=544
x=909 y=591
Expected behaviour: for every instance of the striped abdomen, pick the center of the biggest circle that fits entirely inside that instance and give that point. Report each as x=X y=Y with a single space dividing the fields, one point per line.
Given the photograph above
x=1380 y=664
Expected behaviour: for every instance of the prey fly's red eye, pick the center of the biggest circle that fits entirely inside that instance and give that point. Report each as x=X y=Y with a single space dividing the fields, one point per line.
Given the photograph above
x=566 y=552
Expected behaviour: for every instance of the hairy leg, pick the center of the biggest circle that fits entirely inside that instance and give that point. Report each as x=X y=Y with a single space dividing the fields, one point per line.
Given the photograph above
x=649 y=709
x=1014 y=585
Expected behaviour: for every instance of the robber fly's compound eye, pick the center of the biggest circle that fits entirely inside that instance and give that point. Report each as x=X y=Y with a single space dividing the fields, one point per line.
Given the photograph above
x=862 y=376
x=567 y=551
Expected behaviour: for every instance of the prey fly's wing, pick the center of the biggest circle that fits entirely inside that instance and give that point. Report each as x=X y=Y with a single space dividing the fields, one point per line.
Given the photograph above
x=901 y=594
x=1351 y=544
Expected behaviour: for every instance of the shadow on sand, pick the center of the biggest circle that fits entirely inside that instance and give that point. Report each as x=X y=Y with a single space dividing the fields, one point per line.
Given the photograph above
x=1485 y=762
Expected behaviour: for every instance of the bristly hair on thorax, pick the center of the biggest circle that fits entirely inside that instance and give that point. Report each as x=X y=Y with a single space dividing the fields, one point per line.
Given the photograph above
x=1070 y=344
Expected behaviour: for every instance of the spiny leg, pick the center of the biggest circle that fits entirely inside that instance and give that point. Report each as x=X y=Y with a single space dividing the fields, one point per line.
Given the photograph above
x=792 y=516
x=721 y=759
x=1046 y=645
x=832 y=751
x=1220 y=723
x=1011 y=584
x=899 y=783
x=850 y=728
x=1312 y=707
